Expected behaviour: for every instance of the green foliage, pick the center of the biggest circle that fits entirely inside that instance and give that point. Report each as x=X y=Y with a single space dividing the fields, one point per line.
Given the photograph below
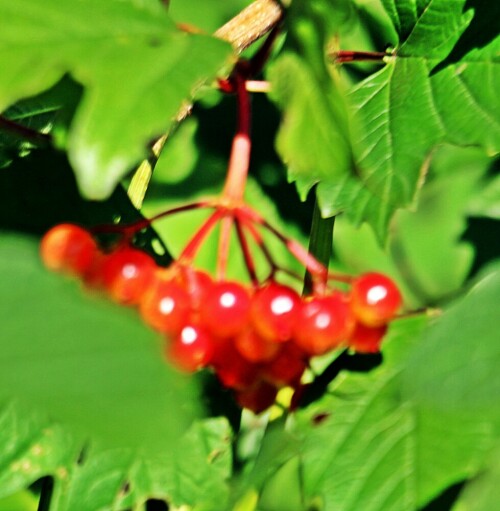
x=404 y=147
x=155 y=67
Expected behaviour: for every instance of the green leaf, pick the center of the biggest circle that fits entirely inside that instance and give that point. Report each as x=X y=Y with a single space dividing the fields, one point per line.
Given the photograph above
x=135 y=66
x=487 y=203
x=208 y=15
x=84 y=361
x=483 y=492
x=194 y=474
x=179 y=155
x=419 y=100
x=31 y=447
x=464 y=349
x=313 y=139
x=366 y=445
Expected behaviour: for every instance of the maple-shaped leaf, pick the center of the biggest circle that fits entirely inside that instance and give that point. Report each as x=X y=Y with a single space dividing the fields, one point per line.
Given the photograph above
x=136 y=68
x=439 y=85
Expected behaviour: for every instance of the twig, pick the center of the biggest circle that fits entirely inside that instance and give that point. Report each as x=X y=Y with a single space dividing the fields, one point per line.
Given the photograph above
x=251 y=24
x=24 y=132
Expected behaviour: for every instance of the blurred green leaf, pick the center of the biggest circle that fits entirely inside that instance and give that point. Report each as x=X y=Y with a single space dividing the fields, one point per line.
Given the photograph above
x=483 y=492
x=313 y=139
x=85 y=361
x=464 y=350
x=179 y=155
x=155 y=67
x=208 y=15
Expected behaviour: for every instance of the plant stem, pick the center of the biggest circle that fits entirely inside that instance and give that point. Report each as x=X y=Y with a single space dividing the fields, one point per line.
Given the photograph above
x=320 y=244
x=194 y=244
x=46 y=490
x=311 y=264
x=31 y=135
x=247 y=254
x=224 y=244
x=343 y=56
x=251 y=24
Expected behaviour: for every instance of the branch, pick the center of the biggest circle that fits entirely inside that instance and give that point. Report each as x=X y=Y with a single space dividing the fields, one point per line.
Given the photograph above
x=251 y=24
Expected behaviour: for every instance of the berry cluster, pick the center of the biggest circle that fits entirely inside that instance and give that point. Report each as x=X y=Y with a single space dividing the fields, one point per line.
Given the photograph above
x=257 y=338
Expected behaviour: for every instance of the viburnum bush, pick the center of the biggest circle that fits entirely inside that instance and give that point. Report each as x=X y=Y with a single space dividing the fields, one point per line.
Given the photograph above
x=249 y=255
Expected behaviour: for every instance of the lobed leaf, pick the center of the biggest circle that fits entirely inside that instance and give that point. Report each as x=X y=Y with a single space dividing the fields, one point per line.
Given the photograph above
x=135 y=66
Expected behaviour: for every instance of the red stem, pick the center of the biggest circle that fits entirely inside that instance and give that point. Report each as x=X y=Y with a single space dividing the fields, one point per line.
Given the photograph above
x=134 y=227
x=194 y=244
x=247 y=254
x=223 y=248
x=298 y=251
x=343 y=56
x=239 y=160
x=24 y=132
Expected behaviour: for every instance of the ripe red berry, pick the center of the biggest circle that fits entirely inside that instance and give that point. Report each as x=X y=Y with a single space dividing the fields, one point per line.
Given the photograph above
x=233 y=370
x=225 y=308
x=274 y=311
x=126 y=274
x=166 y=305
x=286 y=368
x=324 y=323
x=365 y=339
x=191 y=350
x=375 y=299
x=254 y=348
x=257 y=398
x=68 y=248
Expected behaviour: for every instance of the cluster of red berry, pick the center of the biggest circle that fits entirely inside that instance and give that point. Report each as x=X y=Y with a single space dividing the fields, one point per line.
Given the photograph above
x=257 y=338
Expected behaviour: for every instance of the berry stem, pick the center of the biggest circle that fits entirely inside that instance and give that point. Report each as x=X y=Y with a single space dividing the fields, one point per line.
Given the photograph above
x=296 y=249
x=189 y=251
x=224 y=245
x=239 y=159
x=245 y=249
x=130 y=229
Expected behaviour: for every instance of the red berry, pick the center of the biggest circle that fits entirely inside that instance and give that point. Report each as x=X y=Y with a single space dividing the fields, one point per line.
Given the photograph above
x=166 y=305
x=365 y=339
x=274 y=311
x=375 y=299
x=68 y=248
x=126 y=274
x=254 y=348
x=191 y=350
x=225 y=309
x=324 y=322
x=233 y=370
x=257 y=398
x=287 y=368
x=195 y=282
